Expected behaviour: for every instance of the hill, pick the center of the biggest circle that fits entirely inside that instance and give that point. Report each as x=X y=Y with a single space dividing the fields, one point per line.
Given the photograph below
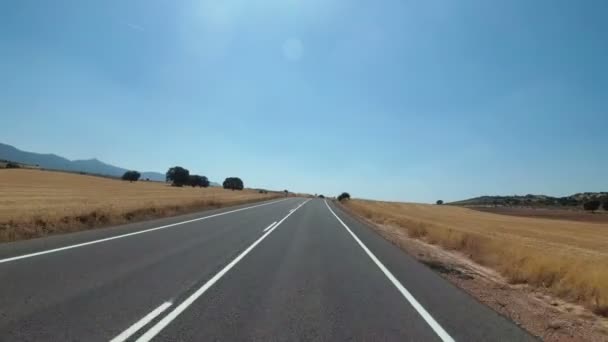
x=55 y=162
x=534 y=200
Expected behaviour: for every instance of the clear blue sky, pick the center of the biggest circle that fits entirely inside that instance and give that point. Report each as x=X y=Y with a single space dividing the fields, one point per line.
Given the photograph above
x=395 y=100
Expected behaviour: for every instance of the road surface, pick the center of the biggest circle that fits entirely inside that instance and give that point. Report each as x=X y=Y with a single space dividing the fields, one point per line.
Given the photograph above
x=284 y=270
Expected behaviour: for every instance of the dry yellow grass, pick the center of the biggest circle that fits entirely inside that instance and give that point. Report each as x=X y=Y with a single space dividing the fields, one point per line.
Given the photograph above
x=35 y=203
x=568 y=258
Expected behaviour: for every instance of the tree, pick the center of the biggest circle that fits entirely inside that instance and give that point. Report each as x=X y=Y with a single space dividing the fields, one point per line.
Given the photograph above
x=131 y=176
x=567 y=201
x=12 y=165
x=344 y=196
x=196 y=180
x=178 y=176
x=592 y=205
x=439 y=202
x=233 y=183
x=605 y=206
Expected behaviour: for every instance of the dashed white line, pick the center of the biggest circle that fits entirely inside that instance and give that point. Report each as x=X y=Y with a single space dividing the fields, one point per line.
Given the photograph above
x=131 y=234
x=158 y=327
x=443 y=335
x=271 y=225
x=141 y=323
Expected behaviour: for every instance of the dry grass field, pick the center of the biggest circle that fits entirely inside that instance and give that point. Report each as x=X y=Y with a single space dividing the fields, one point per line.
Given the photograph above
x=600 y=216
x=35 y=203
x=568 y=258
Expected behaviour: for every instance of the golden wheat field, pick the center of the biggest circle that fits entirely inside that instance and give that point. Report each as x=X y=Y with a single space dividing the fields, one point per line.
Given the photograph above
x=35 y=203
x=568 y=258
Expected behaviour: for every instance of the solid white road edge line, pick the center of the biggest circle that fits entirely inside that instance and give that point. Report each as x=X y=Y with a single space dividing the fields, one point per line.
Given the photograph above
x=158 y=327
x=421 y=310
x=141 y=323
x=272 y=224
x=54 y=250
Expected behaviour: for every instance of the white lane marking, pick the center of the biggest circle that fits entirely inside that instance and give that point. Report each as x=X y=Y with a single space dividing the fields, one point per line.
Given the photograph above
x=158 y=327
x=421 y=310
x=141 y=323
x=271 y=225
x=131 y=234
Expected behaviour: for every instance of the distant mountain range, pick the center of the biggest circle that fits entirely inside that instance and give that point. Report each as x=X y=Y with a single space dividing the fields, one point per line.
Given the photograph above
x=535 y=200
x=55 y=162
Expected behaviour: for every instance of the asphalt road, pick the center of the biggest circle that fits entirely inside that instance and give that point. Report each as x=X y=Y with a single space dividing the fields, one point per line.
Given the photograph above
x=229 y=275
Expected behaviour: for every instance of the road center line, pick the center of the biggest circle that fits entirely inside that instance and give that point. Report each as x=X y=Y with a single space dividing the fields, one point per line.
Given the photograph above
x=445 y=337
x=271 y=225
x=141 y=323
x=54 y=250
x=158 y=327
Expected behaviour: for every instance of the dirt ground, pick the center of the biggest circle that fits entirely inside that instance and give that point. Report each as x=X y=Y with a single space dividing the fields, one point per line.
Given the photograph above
x=600 y=216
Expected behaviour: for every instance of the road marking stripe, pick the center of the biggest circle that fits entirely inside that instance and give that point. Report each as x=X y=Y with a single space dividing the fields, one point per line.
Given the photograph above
x=54 y=250
x=421 y=310
x=272 y=224
x=141 y=323
x=158 y=327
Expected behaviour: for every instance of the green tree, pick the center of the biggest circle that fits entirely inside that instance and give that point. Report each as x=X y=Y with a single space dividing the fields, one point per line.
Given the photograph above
x=592 y=205
x=196 y=180
x=233 y=183
x=515 y=201
x=605 y=206
x=439 y=202
x=131 y=176
x=178 y=176
x=344 y=196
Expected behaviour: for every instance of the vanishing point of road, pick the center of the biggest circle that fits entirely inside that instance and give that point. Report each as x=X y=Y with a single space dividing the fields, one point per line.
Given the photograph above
x=294 y=269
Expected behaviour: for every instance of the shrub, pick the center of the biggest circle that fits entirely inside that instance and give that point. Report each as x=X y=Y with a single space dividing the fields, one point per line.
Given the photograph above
x=344 y=196
x=605 y=206
x=131 y=176
x=12 y=165
x=178 y=176
x=233 y=183
x=439 y=202
x=592 y=205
